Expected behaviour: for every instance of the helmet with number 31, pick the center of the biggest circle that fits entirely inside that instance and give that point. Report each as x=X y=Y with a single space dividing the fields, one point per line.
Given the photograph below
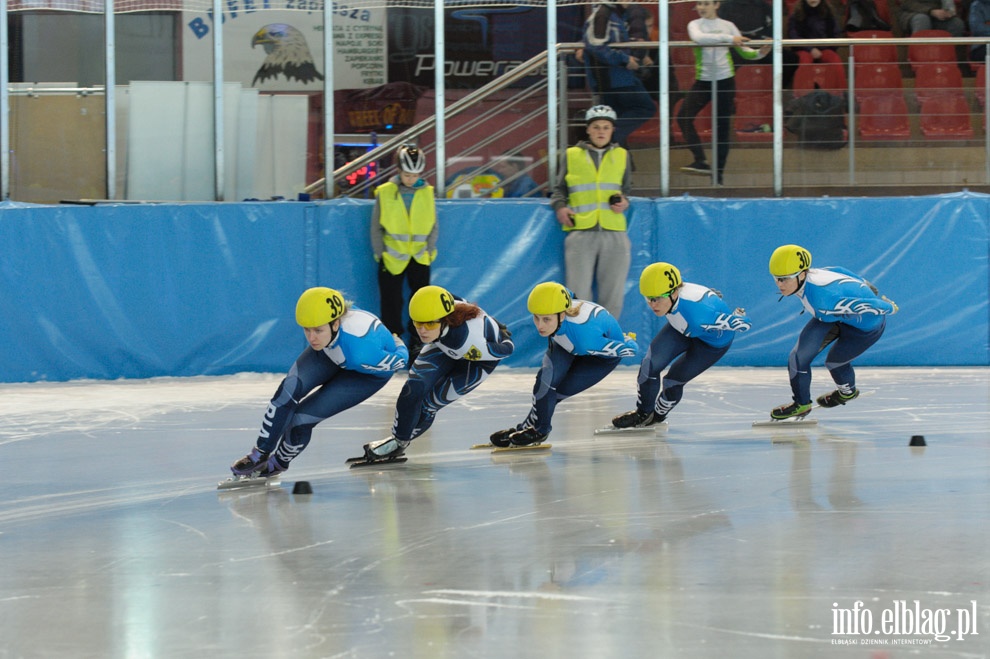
x=659 y=279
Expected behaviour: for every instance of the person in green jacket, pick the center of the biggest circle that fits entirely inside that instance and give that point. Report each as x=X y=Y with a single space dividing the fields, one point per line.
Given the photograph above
x=590 y=201
x=404 y=238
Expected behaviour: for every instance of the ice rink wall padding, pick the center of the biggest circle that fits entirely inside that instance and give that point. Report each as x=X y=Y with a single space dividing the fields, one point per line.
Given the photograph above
x=145 y=290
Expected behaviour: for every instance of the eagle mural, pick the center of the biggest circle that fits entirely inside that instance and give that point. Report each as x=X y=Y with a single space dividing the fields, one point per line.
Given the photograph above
x=287 y=54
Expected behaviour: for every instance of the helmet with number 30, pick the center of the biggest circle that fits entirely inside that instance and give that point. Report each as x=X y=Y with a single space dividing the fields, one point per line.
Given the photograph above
x=430 y=303
x=788 y=260
x=319 y=306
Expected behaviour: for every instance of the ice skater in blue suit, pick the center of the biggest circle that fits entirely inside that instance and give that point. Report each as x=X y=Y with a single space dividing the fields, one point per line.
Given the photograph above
x=699 y=330
x=585 y=343
x=849 y=314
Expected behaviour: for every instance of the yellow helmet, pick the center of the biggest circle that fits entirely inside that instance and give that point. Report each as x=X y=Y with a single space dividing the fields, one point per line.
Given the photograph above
x=548 y=298
x=789 y=260
x=319 y=306
x=659 y=279
x=430 y=303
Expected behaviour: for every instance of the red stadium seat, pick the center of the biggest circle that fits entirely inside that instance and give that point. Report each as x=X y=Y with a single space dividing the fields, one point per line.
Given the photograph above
x=867 y=52
x=754 y=103
x=883 y=112
x=925 y=53
x=946 y=116
x=877 y=77
x=932 y=79
x=883 y=117
x=830 y=77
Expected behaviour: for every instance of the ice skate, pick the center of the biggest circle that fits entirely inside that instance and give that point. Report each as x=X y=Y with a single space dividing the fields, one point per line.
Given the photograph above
x=795 y=411
x=499 y=438
x=250 y=463
x=384 y=451
x=634 y=422
x=837 y=397
x=792 y=414
x=267 y=474
x=528 y=436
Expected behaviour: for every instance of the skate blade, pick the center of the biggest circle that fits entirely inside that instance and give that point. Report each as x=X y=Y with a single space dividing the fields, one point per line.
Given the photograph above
x=635 y=430
x=531 y=447
x=244 y=482
x=784 y=423
x=357 y=463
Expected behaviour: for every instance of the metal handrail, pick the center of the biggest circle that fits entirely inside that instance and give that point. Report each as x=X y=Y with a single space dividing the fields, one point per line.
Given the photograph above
x=523 y=70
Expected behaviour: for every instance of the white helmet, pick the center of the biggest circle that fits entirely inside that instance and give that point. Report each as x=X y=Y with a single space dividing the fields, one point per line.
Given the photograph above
x=411 y=159
x=600 y=112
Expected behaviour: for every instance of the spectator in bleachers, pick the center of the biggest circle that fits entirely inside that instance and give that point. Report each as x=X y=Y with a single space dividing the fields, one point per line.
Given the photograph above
x=815 y=19
x=519 y=184
x=863 y=15
x=917 y=15
x=979 y=26
x=714 y=68
x=612 y=71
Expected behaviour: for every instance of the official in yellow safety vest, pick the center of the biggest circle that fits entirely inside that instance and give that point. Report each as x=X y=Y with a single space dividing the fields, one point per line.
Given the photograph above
x=404 y=238
x=590 y=201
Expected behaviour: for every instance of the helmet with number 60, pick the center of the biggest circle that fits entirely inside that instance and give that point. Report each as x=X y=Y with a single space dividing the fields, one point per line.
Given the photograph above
x=430 y=303
x=319 y=306
x=659 y=279
x=788 y=260
x=548 y=298
x=411 y=159
x=600 y=112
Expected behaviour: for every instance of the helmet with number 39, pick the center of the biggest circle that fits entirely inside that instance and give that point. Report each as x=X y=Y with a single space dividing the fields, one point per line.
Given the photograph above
x=319 y=306
x=548 y=298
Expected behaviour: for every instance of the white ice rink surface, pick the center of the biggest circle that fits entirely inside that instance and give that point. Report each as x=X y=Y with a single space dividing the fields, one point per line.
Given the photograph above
x=711 y=539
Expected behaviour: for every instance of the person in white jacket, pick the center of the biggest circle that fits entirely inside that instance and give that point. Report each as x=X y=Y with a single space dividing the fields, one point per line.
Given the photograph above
x=714 y=75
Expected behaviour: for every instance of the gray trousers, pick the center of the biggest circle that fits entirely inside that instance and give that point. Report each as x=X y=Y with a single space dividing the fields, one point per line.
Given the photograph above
x=598 y=259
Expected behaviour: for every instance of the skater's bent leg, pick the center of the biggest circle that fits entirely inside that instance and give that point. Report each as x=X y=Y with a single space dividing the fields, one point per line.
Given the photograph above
x=430 y=368
x=698 y=358
x=851 y=343
x=343 y=392
x=665 y=347
x=808 y=346
x=553 y=371
x=309 y=371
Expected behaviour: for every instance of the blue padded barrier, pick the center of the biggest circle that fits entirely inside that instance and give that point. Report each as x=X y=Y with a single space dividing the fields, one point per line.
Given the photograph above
x=147 y=290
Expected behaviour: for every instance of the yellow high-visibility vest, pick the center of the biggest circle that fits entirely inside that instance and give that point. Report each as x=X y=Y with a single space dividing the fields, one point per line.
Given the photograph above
x=406 y=230
x=589 y=188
